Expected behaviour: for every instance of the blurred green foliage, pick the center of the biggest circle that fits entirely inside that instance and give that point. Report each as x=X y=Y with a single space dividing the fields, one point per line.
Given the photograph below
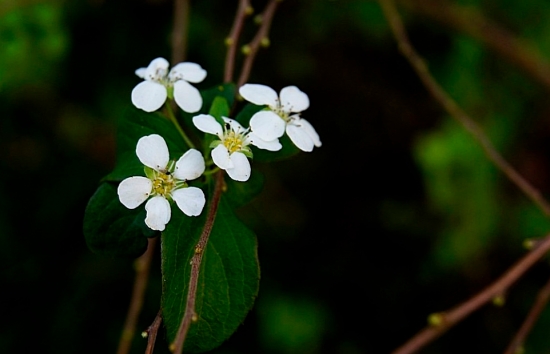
x=398 y=215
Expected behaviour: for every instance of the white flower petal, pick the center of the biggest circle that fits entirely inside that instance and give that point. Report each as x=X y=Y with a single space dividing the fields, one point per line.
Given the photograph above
x=152 y=151
x=241 y=167
x=187 y=97
x=157 y=69
x=141 y=72
x=220 y=156
x=190 y=165
x=293 y=100
x=300 y=137
x=133 y=191
x=190 y=200
x=149 y=96
x=158 y=213
x=208 y=124
x=188 y=71
x=267 y=125
x=273 y=145
x=310 y=131
x=259 y=94
x=234 y=125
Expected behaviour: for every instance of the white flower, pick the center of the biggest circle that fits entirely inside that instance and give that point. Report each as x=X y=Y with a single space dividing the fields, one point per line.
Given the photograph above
x=165 y=181
x=231 y=150
x=151 y=94
x=283 y=115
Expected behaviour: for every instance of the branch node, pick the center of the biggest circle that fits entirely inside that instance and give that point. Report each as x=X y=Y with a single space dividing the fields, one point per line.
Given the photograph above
x=499 y=300
x=246 y=50
x=258 y=19
x=436 y=319
x=265 y=42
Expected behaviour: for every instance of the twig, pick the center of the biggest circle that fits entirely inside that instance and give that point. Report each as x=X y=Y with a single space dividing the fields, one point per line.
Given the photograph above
x=447 y=319
x=254 y=45
x=472 y=22
x=179 y=31
x=453 y=109
x=190 y=315
x=539 y=305
x=244 y=10
x=151 y=333
x=142 y=266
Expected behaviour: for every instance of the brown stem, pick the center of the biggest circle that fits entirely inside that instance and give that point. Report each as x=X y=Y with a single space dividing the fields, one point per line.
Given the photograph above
x=539 y=305
x=472 y=22
x=179 y=31
x=453 y=109
x=142 y=266
x=190 y=315
x=233 y=39
x=447 y=319
x=254 y=45
x=151 y=333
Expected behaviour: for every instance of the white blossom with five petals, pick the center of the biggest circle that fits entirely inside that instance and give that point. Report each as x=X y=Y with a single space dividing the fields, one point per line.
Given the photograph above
x=165 y=181
x=159 y=84
x=231 y=150
x=283 y=115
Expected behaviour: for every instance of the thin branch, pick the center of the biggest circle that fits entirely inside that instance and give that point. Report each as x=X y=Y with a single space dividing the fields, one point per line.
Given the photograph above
x=179 y=31
x=539 y=305
x=261 y=37
x=190 y=315
x=447 y=319
x=472 y=22
x=151 y=333
x=242 y=12
x=142 y=266
x=453 y=109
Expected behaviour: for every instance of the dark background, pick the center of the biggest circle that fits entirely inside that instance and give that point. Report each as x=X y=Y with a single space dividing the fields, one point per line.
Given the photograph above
x=398 y=215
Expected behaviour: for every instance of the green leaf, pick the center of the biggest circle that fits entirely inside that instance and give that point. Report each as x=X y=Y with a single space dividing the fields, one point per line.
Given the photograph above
x=219 y=109
x=134 y=125
x=228 y=282
x=113 y=230
x=241 y=193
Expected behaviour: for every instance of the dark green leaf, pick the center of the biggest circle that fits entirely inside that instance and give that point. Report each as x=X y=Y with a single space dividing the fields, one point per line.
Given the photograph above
x=111 y=229
x=219 y=109
x=228 y=282
x=241 y=193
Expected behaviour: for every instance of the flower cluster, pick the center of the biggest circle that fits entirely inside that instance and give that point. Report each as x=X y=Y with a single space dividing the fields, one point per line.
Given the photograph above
x=166 y=180
x=282 y=114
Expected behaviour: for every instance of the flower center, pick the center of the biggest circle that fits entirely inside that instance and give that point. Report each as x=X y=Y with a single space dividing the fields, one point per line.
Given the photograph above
x=233 y=141
x=281 y=112
x=163 y=183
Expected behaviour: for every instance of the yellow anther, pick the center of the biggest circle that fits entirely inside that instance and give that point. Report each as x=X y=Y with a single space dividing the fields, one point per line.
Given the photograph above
x=233 y=142
x=163 y=184
x=195 y=318
x=229 y=41
x=198 y=250
x=144 y=334
x=249 y=10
